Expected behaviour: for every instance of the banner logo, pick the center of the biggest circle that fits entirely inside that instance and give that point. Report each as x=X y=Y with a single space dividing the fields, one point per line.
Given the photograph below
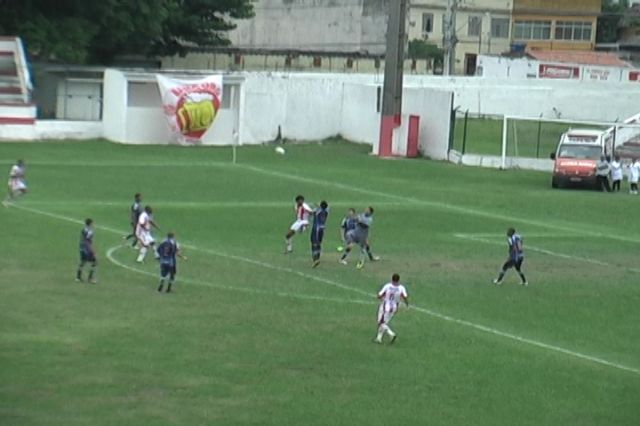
x=190 y=106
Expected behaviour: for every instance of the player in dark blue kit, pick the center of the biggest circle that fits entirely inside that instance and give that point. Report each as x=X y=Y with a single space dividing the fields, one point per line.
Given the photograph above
x=168 y=252
x=320 y=216
x=516 y=257
x=348 y=223
x=136 y=210
x=87 y=253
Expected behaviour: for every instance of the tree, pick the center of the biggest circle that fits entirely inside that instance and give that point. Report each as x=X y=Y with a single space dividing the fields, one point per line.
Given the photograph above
x=81 y=31
x=610 y=21
x=420 y=49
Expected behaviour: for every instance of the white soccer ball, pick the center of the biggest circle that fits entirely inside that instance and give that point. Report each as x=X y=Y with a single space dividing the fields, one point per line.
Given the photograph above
x=280 y=150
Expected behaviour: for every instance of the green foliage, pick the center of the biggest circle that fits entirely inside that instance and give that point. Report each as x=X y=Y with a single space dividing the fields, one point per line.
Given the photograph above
x=79 y=31
x=420 y=49
x=610 y=21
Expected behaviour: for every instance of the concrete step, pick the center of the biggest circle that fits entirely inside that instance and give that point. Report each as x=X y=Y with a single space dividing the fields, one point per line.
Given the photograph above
x=17 y=113
x=10 y=90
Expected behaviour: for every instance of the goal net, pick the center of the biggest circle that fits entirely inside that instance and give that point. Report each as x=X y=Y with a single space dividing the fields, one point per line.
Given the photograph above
x=536 y=138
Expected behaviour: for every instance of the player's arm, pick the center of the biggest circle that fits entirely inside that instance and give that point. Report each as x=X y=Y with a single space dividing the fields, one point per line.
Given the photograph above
x=154 y=224
x=382 y=292
x=405 y=299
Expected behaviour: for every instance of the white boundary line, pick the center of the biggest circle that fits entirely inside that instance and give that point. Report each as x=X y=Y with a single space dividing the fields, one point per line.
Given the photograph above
x=472 y=237
x=112 y=250
x=429 y=312
x=441 y=205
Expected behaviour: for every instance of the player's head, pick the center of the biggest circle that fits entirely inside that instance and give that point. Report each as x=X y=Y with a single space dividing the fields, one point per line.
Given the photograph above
x=368 y=211
x=138 y=196
x=395 y=278
x=324 y=205
x=617 y=158
x=171 y=235
x=20 y=163
x=299 y=200
x=148 y=209
x=88 y=222
x=510 y=232
x=351 y=212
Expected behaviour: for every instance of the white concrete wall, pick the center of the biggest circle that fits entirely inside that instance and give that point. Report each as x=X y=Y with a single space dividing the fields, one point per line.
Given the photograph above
x=52 y=130
x=329 y=25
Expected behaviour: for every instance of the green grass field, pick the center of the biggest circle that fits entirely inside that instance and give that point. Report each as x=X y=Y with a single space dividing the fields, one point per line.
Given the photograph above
x=252 y=336
x=484 y=136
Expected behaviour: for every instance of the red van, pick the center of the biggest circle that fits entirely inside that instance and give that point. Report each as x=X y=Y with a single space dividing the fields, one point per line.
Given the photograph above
x=576 y=157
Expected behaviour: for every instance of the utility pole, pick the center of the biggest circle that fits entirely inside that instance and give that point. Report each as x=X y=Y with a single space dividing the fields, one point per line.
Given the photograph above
x=393 y=74
x=450 y=39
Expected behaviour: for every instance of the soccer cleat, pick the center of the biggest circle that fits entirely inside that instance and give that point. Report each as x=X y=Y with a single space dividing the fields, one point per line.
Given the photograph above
x=78 y=280
x=343 y=262
x=360 y=264
x=93 y=281
x=315 y=263
x=524 y=283
x=379 y=342
x=393 y=339
x=376 y=258
x=497 y=281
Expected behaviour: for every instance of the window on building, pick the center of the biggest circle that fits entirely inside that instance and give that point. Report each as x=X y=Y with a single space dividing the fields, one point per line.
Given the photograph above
x=500 y=27
x=427 y=23
x=532 y=30
x=474 y=26
x=577 y=31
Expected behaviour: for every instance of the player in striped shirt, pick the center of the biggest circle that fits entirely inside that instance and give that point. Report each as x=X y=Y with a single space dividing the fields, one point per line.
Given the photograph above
x=303 y=211
x=516 y=257
x=16 y=186
x=134 y=215
x=320 y=216
x=143 y=233
x=87 y=252
x=390 y=297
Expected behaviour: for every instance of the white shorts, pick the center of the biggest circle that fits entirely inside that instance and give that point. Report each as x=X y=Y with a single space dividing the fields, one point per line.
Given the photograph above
x=17 y=185
x=386 y=313
x=144 y=236
x=299 y=225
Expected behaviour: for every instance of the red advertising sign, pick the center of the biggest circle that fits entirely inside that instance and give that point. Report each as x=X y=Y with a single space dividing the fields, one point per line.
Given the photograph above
x=558 y=71
x=634 y=76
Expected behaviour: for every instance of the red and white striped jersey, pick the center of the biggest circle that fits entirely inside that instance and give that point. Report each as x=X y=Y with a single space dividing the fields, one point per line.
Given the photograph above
x=144 y=221
x=303 y=211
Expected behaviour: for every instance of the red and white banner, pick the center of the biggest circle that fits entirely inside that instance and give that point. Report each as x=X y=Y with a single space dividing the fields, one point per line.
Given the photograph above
x=558 y=71
x=190 y=106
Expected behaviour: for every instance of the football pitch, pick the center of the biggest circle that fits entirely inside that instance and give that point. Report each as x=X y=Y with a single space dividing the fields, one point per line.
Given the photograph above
x=254 y=336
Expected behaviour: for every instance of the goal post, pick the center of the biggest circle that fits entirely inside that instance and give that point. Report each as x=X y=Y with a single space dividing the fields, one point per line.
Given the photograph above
x=534 y=138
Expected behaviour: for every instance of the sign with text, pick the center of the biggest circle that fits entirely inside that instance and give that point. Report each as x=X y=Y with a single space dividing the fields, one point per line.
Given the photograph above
x=558 y=71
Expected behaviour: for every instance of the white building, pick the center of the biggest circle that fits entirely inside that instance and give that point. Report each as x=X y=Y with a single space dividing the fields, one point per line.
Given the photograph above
x=481 y=27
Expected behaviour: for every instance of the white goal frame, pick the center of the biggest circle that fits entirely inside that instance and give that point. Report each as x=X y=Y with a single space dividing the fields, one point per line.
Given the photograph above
x=611 y=129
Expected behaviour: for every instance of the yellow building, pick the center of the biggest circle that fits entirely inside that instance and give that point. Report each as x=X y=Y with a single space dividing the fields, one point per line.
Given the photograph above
x=556 y=24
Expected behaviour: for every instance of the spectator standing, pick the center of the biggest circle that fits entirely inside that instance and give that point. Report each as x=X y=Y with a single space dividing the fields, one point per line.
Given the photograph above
x=616 y=173
x=602 y=174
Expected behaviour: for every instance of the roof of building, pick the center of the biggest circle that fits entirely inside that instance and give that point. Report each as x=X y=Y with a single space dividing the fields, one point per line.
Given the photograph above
x=582 y=57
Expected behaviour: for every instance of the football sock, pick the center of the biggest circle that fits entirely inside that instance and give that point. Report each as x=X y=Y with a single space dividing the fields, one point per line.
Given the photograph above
x=368 y=248
x=345 y=254
x=155 y=252
x=79 y=273
x=169 y=286
x=161 y=285
x=143 y=253
x=500 y=276
x=380 y=333
x=390 y=332
x=91 y=273
x=522 y=277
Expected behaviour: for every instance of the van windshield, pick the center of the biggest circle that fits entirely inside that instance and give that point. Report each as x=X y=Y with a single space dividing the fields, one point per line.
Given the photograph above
x=591 y=152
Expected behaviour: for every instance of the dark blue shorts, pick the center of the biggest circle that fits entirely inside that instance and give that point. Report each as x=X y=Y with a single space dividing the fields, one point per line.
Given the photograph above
x=87 y=256
x=316 y=236
x=167 y=269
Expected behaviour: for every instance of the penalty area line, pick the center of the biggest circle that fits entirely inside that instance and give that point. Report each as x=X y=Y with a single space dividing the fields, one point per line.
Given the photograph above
x=429 y=312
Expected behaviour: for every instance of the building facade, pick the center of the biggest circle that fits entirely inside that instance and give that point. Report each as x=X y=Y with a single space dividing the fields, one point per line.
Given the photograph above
x=556 y=24
x=481 y=27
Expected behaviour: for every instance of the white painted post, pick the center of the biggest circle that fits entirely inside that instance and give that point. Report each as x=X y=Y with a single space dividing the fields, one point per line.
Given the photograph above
x=503 y=164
